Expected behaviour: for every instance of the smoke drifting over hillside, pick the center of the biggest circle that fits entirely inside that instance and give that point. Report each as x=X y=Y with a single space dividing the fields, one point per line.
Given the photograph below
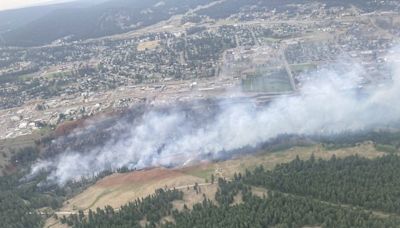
x=329 y=103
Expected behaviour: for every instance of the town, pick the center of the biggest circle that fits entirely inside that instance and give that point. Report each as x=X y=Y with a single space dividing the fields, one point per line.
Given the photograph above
x=191 y=56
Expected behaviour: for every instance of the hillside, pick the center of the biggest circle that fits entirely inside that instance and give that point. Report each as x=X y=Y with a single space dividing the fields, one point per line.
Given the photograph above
x=121 y=188
x=108 y=18
x=11 y=20
x=81 y=20
x=263 y=197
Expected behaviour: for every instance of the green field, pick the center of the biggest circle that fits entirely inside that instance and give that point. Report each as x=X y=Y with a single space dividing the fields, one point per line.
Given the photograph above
x=267 y=82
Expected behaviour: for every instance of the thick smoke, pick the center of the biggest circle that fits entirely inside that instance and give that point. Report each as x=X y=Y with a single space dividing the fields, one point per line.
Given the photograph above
x=330 y=102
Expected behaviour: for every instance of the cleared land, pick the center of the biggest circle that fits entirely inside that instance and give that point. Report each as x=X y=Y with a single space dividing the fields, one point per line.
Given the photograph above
x=148 y=45
x=119 y=189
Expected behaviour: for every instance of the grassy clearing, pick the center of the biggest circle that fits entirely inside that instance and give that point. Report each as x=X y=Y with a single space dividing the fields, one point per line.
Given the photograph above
x=267 y=82
x=25 y=77
x=191 y=197
x=270 y=160
x=203 y=172
x=260 y=192
x=58 y=74
x=119 y=189
x=148 y=45
x=386 y=148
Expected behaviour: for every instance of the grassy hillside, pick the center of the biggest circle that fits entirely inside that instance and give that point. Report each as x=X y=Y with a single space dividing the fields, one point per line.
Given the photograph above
x=119 y=189
x=276 y=202
x=108 y=18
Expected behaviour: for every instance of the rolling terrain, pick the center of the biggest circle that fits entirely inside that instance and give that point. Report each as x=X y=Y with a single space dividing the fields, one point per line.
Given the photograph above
x=78 y=23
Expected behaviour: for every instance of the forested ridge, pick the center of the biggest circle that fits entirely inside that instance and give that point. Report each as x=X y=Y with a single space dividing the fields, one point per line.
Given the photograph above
x=333 y=193
x=372 y=184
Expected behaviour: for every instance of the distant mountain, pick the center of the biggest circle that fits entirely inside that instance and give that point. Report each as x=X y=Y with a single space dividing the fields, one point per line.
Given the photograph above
x=85 y=19
x=15 y=18
x=48 y=23
x=12 y=19
x=227 y=8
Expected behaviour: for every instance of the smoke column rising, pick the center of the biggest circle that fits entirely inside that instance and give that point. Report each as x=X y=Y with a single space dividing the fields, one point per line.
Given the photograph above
x=329 y=103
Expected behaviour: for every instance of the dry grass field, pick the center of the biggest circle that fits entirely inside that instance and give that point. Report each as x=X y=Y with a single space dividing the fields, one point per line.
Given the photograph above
x=270 y=160
x=118 y=189
x=148 y=45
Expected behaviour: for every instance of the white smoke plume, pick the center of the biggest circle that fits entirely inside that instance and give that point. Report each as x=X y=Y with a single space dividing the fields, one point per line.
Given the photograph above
x=328 y=103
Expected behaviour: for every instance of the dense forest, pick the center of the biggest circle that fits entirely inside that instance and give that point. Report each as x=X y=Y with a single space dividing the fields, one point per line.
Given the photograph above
x=334 y=193
x=17 y=205
x=274 y=210
x=371 y=184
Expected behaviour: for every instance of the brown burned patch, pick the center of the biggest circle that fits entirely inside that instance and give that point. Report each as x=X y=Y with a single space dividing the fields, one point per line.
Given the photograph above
x=67 y=127
x=142 y=176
